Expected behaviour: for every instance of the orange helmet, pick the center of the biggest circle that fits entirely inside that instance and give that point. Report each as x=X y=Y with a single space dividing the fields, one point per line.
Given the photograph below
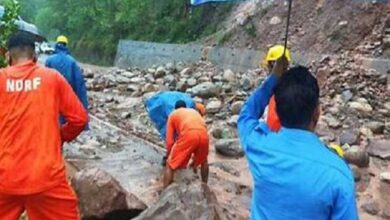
x=201 y=109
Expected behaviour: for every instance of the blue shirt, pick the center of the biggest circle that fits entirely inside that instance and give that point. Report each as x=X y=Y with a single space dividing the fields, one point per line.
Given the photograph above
x=65 y=64
x=296 y=177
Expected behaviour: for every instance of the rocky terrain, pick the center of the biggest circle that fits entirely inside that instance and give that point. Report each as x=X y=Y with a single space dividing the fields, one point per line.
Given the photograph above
x=322 y=27
x=123 y=142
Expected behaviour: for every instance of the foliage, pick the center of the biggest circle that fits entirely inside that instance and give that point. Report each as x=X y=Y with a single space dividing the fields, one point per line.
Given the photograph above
x=7 y=25
x=95 y=26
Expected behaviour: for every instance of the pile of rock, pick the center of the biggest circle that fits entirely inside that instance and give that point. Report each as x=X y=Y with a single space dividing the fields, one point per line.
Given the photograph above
x=355 y=103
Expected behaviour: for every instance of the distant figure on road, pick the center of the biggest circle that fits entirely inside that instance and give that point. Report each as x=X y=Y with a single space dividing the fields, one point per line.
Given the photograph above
x=295 y=175
x=187 y=138
x=32 y=169
x=64 y=63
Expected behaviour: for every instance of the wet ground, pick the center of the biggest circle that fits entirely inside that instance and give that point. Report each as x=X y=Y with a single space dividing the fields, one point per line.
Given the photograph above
x=136 y=164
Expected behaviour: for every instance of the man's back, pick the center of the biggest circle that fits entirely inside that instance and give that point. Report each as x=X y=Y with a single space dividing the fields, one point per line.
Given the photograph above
x=32 y=97
x=186 y=119
x=297 y=177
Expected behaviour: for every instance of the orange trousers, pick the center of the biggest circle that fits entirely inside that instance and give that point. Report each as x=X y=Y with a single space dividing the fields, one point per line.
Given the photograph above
x=195 y=144
x=59 y=203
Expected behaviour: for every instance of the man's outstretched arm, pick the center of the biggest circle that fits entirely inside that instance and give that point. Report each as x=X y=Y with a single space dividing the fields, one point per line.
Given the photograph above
x=254 y=107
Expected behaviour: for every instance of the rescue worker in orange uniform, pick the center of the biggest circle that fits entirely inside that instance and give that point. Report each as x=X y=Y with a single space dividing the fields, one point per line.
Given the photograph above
x=187 y=138
x=32 y=169
x=269 y=61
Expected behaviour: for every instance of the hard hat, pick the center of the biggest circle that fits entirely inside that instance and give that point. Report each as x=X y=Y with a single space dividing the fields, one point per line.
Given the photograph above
x=276 y=52
x=62 y=39
x=201 y=109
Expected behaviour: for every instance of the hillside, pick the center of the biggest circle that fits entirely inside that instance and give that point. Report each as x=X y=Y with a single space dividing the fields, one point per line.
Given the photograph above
x=316 y=26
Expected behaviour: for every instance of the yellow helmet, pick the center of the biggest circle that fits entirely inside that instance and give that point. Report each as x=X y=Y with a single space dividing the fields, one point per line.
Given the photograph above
x=62 y=39
x=337 y=149
x=275 y=53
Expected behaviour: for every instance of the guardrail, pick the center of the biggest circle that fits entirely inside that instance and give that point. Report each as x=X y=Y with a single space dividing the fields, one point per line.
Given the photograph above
x=146 y=54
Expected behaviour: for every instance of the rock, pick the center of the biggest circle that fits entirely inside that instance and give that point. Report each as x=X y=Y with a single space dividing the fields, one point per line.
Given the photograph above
x=129 y=103
x=376 y=127
x=228 y=169
x=181 y=85
x=356 y=156
x=366 y=132
x=149 y=88
x=229 y=76
x=151 y=70
x=191 y=82
x=362 y=107
x=126 y=115
x=332 y=121
x=170 y=81
x=229 y=148
x=387 y=106
x=233 y=121
x=357 y=175
x=180 y=66
x=236 y=107
x=343 y=23
x=347 y=95
x=385 y=177
x=186 y=71
x=384 y=192
x=246 y=83
x=122 y=80
x=322 y=76
x=129 y=74
x=217 y=132
x=371 y=207
x=132 y=88
x=88 y=74
x=214 y=106
x=379 y=148
x=349 y=137
x=195 y=201
x=275 y=20
x=170 y=67
x=160 y=72
x=206 y=90
x=100 y=196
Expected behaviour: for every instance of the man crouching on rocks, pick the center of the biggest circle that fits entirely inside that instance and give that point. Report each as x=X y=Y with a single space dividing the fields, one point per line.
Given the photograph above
x=186 y=137
x=295 y=175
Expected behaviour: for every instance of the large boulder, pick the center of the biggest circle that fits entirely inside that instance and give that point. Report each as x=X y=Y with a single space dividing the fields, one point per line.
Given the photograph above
x=379 y=148
x=206 y=90
x=229 y=147
x=194 y=201
x=102 y=197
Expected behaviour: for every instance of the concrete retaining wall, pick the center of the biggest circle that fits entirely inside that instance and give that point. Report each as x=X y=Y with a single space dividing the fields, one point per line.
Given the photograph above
x=146 y=54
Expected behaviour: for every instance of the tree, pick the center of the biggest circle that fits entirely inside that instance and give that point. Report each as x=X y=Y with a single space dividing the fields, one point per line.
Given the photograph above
x=7 y=26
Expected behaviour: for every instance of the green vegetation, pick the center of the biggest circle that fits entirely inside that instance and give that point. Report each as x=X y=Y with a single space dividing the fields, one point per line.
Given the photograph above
x=95 y=26
x=250 y=29
x=7 y=26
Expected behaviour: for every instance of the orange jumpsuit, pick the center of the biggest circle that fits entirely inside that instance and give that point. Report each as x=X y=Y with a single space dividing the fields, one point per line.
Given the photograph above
x=273 y=118
x=32 y=169
x=186 y=136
